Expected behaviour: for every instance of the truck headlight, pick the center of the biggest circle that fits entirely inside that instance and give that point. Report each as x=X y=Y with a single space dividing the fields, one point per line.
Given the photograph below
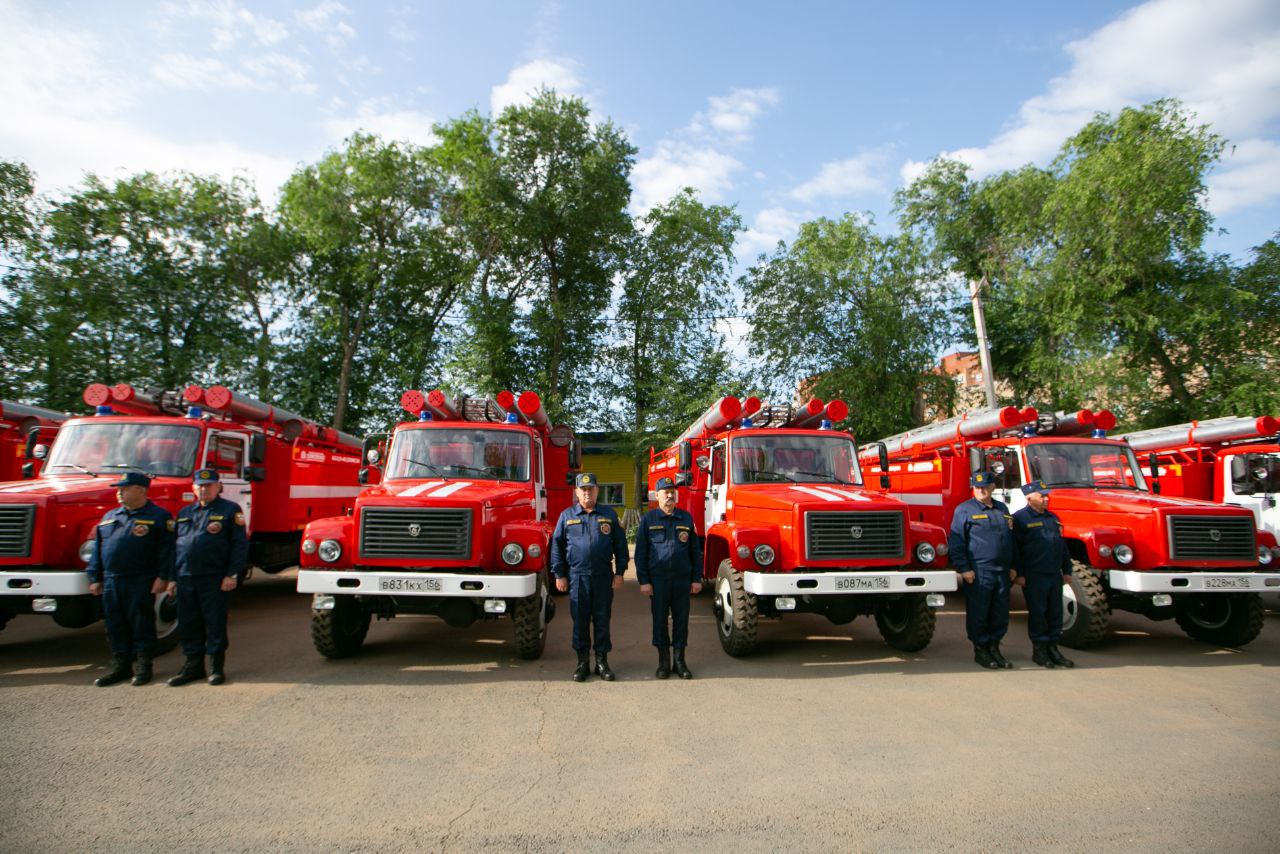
x=309 y=546
x=1264 y=555
x=925 y=553
x=535 y=550
x=1104 y=551
x=1124 y=554
x=330 y=550
x=86 y=551
x=512 y=554
x=764 y=555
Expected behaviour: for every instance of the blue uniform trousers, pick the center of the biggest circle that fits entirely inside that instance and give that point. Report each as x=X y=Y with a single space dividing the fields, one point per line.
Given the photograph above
x=986 y=606
x=202 y=614
x=670 y=597
x=129 y=610
x=591 y=603
x=1044 y=607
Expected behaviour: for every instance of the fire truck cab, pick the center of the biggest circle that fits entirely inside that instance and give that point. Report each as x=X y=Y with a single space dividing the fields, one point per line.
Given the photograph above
x=458 y=526
x=280 y=468
x=1133 y=549
x=22 y=428
x=788 y=525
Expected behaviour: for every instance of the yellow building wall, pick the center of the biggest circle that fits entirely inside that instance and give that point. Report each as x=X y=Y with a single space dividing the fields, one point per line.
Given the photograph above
x=613 y=468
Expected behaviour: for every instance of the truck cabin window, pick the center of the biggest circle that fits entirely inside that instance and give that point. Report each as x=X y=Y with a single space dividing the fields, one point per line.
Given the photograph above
x=162 y=450
x=471 y=453
x=794 y=459
x=1084 y=465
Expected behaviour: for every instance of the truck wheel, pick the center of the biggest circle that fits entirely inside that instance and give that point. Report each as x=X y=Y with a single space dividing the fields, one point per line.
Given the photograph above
x=340 y=632
x=530 y=621
x=906 y=622
x=1223 y=619
x=1085 y=609
x=736 y=612
x=166 y=623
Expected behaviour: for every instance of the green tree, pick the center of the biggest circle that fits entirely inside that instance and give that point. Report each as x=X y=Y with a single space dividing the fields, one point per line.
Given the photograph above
x=854 y=315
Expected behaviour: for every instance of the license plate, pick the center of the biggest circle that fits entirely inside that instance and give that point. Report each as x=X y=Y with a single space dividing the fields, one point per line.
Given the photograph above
x=1226 y=584
x=873 y=582
x=409 y=585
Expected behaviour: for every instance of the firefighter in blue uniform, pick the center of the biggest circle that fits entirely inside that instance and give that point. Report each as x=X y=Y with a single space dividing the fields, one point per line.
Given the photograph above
x=212 y=549
x=669 y=569
x=132 y=561
x=1043 y=565
x=981 y=544
x=589 y=558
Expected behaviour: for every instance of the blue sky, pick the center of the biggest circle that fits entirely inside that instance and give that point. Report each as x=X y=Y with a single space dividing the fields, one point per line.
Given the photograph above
x=789 y=111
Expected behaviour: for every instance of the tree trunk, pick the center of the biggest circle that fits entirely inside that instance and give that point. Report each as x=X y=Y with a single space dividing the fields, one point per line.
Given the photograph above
x=1173 y=379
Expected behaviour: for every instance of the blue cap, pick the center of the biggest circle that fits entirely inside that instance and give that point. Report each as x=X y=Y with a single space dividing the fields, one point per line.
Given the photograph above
x=133 y=478
x=1035 y=486
x=585 y=479
x=664 y=483
x=982 y=478
x=205 y=476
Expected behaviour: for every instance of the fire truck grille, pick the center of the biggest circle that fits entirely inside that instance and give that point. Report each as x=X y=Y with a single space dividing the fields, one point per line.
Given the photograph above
x=841 y=535
x=15 y=530
x=1212 y=538
x=387 y=532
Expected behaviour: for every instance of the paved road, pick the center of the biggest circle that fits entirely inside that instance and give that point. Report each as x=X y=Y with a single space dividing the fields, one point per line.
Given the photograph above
x=441 y=739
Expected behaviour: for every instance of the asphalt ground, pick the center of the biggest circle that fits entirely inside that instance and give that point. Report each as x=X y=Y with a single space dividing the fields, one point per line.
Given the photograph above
x=442 y=739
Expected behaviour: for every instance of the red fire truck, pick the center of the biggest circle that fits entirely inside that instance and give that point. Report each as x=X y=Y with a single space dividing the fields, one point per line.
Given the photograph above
x=281 y=468
x=23 y=427
x=788 y=526
x=1134 y=550
x=457 y=527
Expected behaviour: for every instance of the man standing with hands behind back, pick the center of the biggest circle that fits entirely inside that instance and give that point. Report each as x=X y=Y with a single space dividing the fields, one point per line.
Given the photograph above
x=981 y=543
x=669 y=569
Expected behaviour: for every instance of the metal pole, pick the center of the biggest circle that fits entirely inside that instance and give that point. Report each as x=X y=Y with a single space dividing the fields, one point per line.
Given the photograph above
x=984 y=350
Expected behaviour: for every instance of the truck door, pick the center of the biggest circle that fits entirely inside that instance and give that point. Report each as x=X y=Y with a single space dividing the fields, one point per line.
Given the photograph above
x=1003 y=462
x=1251 y=480
x=716 y=500
x=229 y=454
x=539 y=483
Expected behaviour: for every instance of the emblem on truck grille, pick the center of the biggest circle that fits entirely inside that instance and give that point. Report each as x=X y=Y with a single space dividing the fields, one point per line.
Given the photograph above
x=856 y=532
x=1215 y=534
x=415 y=529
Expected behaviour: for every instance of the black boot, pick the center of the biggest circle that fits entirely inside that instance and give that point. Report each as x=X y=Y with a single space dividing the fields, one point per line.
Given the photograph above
x=602 y=667
x=584 y=668
x=1000 y=660
x=682 y=670
x=983 y=656
x=192 y=669
x=664 y=663
x=1056 y=656
x=216 y=673
x=142 y=670
x=120 y=671
x=1040 y=654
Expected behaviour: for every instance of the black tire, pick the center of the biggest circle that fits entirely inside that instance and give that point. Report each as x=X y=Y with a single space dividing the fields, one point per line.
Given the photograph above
x=1223 y=619
x=340 y=632
x=737 y=612
x=166 y=623
x=530 y=620
x=906 y=622
x=1086 y=613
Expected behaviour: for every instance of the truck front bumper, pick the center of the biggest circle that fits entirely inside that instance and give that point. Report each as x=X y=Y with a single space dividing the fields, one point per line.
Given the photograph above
x=839 y=583
x=1134 y=581
x=41 y=583
x=391 y=583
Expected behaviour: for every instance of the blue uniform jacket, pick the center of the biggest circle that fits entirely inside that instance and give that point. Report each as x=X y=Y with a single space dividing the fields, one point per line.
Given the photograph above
x=212 y=540
x=981 y=538
x=668 y=546
x=137 y=543
x=584 y=543
x=1040 y=547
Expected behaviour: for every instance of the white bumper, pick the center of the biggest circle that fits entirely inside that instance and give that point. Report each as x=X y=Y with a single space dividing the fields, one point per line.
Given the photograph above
x=1197 y=582
x=374 y=583
x=839 y=583
x=40 y=583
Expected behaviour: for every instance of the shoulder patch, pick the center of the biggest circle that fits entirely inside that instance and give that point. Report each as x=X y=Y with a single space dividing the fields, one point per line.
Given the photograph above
x=240 y=519
x=169 y=523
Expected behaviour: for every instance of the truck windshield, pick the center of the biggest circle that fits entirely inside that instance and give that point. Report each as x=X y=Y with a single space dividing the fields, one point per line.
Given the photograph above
x=817 y=458
x=166 y=450
x=1085 y=465
x=1255 y=474
x=462 y=452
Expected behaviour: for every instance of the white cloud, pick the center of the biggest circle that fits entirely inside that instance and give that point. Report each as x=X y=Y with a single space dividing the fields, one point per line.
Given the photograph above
x=230 y=21
x=735 y=113
x=402 y=32
x=770 y=226
x=1221 y=59
x=183 y=71
x=676 y=165
x=843 y=178
x=524 y=81
x=379 y=117
x=325 y=19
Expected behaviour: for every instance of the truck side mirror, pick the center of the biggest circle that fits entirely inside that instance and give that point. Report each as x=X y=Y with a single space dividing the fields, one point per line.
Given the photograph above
x=883 y=450
x=33 y=436
x=683 y=478
x=255 y=474
x=257 y=449
x=28 y=470
x=1154 y=465
x=575 y=455
x=975 y=460
x=362 y=476
x=686 y=456
x=371 y=452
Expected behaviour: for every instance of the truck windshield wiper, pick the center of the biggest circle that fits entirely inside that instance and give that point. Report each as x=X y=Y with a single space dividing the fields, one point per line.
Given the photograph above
x=123 y=466
x=485 y=472
x=427 y=466
x=779 y=475
x=825 y=474
x=1077 y=483
x=78 y=468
